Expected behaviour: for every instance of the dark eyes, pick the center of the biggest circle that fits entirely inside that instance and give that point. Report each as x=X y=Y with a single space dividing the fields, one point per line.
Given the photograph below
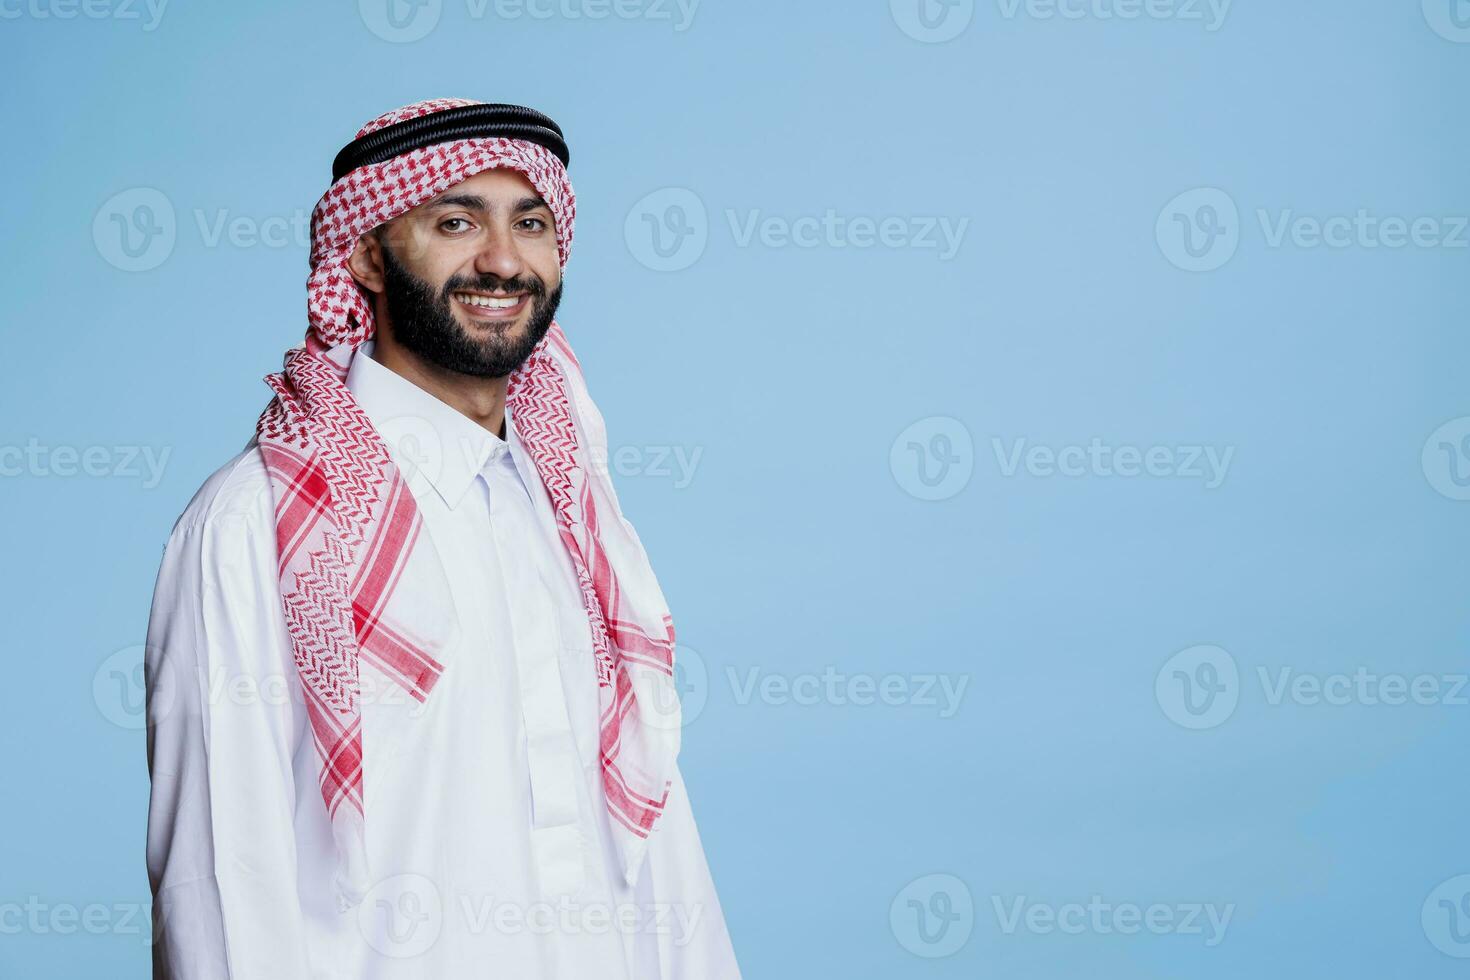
x=463 y=224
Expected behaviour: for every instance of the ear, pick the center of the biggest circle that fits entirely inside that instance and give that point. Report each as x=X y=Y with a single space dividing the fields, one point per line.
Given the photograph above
x=366 y=263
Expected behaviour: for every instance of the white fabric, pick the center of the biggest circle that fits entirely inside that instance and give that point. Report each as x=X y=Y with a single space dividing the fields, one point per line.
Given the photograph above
x=492 y=848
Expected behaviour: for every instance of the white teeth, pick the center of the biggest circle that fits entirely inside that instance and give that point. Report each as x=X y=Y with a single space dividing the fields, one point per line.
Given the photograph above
x=489 y=302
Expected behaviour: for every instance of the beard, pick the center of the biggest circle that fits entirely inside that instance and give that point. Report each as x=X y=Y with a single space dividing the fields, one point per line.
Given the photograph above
x=422 y=320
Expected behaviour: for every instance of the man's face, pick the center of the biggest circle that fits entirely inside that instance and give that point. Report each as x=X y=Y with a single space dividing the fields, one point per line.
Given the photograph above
x=470 y=279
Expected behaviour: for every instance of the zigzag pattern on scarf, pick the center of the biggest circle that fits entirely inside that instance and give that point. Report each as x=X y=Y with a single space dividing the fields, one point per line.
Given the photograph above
x=544 y=422
x=321 y=624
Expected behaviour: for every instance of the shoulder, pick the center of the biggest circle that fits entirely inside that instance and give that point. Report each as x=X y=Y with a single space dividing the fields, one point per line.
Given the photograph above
x=237 y=495
x=222 y=545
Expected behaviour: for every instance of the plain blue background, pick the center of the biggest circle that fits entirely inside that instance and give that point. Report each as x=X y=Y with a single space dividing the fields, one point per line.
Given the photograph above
x=1333 y=545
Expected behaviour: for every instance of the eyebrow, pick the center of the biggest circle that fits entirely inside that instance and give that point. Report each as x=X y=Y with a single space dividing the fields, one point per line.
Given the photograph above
x=475 y=202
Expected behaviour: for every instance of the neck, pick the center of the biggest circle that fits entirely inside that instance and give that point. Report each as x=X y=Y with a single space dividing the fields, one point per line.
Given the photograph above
x=479 y=399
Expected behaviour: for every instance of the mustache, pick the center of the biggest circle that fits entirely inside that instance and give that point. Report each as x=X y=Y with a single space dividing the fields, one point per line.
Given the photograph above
x=489 y=282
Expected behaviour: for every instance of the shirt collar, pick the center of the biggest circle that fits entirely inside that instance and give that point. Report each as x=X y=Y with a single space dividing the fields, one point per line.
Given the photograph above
x=428 y=439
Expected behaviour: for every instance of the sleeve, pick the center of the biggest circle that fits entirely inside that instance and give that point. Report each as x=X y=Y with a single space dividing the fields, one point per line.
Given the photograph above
x=223 y=729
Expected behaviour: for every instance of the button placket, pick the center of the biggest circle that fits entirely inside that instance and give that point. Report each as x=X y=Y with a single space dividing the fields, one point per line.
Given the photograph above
x=550 y=746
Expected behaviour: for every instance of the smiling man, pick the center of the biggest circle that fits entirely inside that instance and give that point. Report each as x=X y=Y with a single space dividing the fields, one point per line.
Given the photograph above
x=410 y=674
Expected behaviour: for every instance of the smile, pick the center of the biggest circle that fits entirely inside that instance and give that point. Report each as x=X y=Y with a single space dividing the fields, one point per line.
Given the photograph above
x=485 y=306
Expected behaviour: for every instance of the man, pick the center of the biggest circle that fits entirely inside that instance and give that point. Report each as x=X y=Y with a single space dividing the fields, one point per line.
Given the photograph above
x=409 y=671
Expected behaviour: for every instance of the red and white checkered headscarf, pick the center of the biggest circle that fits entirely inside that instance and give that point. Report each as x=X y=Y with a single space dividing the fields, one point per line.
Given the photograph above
x=348 y=530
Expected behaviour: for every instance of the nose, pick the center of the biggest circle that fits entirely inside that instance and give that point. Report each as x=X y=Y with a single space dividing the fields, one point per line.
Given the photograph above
x=498 y=255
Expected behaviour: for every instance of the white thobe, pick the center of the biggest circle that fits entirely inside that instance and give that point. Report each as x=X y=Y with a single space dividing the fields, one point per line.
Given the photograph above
x=488 y=834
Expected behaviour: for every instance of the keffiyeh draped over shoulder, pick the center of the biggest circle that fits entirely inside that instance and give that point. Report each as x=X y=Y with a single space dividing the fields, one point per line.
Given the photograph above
x=356 y=574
